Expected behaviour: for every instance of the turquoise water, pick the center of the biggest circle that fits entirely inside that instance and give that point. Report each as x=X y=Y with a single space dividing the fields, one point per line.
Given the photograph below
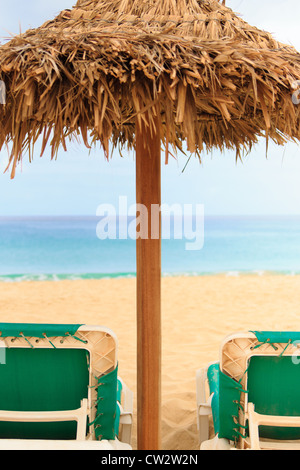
x=68 y=248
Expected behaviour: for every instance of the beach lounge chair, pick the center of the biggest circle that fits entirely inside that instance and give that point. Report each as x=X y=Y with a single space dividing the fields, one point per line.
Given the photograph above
x=252 y=393
x=60 y=389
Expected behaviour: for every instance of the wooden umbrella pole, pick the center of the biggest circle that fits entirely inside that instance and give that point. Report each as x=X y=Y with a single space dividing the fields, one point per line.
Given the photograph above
x=148 y=249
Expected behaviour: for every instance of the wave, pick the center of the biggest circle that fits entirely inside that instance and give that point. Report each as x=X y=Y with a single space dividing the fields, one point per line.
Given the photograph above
x=86 y=276
x=62 y=277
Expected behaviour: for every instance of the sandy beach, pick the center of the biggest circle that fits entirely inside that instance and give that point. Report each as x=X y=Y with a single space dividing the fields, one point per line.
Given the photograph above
x=197 y=312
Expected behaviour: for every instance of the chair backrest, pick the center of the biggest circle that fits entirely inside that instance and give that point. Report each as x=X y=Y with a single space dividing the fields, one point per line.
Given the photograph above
x=52 y=368
x=258 y=367
x=274 y=384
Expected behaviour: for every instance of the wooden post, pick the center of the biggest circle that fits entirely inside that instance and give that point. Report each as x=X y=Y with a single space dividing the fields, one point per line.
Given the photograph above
x=148 y=250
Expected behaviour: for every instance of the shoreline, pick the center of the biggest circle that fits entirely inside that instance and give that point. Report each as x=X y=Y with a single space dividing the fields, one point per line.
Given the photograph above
x=197 y=313
x=56 y=277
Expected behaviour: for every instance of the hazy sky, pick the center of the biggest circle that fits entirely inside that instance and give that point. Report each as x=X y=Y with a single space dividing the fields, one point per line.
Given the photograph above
x=78 y=182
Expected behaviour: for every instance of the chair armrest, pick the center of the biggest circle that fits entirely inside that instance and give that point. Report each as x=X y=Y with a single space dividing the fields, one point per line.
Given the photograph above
x=203 y=405
x=126 y=413
x=256 y=420
x=79 y=415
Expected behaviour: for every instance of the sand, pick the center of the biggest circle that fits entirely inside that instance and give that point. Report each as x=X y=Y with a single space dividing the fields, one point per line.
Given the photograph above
x=197 y=312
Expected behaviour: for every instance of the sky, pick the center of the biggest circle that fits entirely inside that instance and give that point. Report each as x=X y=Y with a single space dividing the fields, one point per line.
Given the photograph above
x=79 y=181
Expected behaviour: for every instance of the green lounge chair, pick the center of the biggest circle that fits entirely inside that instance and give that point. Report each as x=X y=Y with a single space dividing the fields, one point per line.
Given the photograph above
x=60 y=389
x=252 y=393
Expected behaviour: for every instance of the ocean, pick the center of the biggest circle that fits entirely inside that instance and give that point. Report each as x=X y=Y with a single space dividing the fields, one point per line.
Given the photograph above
x=55 y=248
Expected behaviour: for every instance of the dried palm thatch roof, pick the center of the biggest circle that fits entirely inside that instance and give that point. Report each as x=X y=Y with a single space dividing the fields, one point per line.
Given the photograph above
x=208 y=77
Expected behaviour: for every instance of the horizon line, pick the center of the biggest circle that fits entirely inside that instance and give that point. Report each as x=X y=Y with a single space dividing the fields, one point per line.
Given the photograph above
x=90 y=216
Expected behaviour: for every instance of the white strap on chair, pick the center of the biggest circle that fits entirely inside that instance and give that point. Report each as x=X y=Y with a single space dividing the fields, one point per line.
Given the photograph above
x=79 y=415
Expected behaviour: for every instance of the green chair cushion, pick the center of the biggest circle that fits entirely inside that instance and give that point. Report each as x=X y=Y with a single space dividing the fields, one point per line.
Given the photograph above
x=42 y=380
x=225 y=402
x=274 y=384
x=37 y=330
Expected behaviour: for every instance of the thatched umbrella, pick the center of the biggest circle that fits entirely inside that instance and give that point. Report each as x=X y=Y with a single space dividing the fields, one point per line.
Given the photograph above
x=139 y=73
